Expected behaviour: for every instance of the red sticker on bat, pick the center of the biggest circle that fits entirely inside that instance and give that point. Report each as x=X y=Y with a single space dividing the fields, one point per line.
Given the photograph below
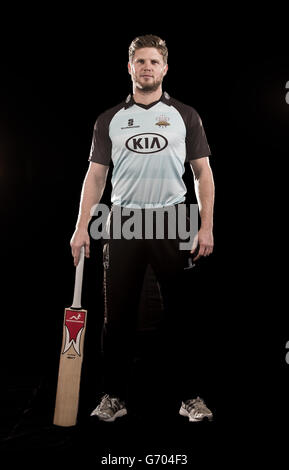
x=74 y=325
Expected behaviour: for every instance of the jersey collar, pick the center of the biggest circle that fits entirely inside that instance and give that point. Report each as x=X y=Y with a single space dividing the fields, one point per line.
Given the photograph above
x=165 y=98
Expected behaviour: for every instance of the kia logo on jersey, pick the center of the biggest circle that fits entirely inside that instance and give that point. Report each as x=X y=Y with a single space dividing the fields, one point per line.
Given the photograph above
x=146 y=143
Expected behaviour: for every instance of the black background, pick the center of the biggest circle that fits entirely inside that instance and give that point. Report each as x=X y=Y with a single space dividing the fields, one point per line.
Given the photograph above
x=59 y=70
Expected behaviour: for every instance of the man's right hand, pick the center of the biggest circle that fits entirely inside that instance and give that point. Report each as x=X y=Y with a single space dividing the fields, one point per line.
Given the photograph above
x=79 y=238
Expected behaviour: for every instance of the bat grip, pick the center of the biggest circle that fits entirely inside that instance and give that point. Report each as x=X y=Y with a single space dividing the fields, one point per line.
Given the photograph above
x=78 y=281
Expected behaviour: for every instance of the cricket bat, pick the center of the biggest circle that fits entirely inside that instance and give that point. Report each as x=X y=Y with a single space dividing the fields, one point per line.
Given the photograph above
x=68 y=385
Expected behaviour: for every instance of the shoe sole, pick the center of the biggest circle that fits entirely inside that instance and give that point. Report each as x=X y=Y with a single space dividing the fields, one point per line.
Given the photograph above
x=118 y=414
x=183 y=412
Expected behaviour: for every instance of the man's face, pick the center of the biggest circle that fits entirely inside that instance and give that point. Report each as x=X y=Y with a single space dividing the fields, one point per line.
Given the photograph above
x=147 y=69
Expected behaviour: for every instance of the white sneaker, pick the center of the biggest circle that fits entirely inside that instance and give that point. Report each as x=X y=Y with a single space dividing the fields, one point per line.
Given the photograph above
x=196 y=410
x=109 y=409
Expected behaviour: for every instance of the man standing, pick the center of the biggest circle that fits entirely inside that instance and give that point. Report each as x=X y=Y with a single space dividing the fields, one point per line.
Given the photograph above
x=148 y=137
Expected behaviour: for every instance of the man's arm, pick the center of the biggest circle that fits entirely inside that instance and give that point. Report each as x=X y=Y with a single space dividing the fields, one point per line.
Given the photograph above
x=92 y=190
x=205 y=193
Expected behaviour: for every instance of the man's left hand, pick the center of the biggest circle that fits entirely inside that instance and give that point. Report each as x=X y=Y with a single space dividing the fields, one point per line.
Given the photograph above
x=205 y=240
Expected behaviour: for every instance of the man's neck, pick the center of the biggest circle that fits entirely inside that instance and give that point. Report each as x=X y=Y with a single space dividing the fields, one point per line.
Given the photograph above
x=146 y=98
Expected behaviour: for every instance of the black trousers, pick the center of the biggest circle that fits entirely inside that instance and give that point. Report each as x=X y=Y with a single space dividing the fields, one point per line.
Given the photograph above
x=174 y=353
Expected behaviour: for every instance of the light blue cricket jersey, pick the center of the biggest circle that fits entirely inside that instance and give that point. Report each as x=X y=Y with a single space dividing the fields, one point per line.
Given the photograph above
x=148 y=146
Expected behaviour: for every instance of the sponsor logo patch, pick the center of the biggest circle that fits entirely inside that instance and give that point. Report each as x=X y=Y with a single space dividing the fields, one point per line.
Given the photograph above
x=146 y=143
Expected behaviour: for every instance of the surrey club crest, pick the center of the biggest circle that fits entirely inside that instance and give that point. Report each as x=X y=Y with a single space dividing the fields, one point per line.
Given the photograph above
x=162 y=121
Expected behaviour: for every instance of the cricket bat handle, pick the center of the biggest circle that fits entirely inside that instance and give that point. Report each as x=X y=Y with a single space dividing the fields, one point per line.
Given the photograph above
x=78 y=281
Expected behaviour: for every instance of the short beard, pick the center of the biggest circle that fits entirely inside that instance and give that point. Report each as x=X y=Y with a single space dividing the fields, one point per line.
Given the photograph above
x=149 y=88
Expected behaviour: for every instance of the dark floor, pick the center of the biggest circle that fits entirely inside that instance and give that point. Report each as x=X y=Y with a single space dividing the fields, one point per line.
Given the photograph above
x=242 y=387
x=152 y=425
x=28 y=435
x=27 y=432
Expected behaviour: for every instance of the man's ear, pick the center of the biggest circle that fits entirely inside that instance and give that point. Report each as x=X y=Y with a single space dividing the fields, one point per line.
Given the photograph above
x=129 y=68
x=165 y=69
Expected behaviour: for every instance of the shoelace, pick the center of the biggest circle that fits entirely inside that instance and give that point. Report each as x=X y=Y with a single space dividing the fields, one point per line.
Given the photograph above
x=196 y=403
x=108 y=402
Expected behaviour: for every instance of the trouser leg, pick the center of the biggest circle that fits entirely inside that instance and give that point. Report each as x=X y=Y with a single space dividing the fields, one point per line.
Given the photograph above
x=184 y=349
x=179 y=338
x=174 y=347
x=125 y=264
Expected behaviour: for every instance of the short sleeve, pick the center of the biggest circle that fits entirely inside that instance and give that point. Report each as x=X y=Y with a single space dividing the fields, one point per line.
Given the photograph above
x=100 y=151
x=196 y=141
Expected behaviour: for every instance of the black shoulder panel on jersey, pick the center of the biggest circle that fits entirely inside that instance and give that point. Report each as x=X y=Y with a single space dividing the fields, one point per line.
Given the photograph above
x=196 y=140
x=100 y=151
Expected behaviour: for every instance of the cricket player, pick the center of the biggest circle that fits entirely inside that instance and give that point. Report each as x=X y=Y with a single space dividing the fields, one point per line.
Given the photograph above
x=148 y=137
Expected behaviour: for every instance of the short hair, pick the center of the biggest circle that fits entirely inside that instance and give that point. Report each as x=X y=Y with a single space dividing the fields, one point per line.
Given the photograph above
x=148 y=40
